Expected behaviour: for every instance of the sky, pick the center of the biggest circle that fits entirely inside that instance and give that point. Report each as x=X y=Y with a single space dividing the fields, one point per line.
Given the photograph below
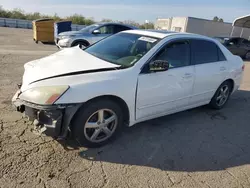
x=137 y=10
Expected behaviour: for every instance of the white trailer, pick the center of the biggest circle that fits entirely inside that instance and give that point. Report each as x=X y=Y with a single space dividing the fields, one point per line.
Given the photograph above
x=243 y=22
x=201 y=26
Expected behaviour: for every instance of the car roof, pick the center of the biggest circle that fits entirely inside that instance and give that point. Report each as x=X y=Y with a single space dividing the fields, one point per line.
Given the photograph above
x=160 y=31
x=163 y=33
x=115 y=23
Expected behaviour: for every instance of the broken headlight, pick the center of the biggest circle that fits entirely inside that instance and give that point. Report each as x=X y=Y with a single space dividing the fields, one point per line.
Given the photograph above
x=44 y=95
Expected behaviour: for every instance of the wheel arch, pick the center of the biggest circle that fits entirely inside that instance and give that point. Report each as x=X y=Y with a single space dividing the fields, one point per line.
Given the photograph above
x=231 y=81
x=80 y=40
x=113 y=98
x=213 y=102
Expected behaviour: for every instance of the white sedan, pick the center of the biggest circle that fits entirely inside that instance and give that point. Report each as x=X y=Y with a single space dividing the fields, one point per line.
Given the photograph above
x=125 y=79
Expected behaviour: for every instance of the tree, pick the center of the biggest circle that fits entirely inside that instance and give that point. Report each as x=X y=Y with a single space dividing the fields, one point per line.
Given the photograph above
x=216 y=19
x=33 y=16
x=75 y=18
x=131 y=22
x=56 y=17
x=2 y=12
x=79 y=19
x=17 y=14
x=106 y=20
x=221 y=20
x=89 y=21
x=149 y=25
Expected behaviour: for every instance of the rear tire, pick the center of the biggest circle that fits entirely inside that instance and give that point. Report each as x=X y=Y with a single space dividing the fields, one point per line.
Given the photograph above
x=97 y=123
x=221 y=96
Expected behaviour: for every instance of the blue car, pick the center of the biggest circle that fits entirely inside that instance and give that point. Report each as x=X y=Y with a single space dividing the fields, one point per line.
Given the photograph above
x=90 y=34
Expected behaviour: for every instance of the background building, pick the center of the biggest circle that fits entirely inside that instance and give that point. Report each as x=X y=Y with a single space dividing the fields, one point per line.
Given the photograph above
x=200 y=26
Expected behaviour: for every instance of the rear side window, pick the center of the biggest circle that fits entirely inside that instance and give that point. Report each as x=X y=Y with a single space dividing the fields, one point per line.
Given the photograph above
x=119 y=28
x=204 y=52
x=221 y=55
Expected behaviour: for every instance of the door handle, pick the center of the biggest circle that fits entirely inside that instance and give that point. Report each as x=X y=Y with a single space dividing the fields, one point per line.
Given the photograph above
x=187 y=75
x=222 y=68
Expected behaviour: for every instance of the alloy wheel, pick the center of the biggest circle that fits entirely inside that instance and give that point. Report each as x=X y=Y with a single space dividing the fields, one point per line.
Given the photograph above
x=81 y=45
x=100 y=125
x=223 y=95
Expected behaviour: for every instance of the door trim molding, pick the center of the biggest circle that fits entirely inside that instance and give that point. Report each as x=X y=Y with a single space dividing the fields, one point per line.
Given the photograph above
x=162 y=103
x=171 y=111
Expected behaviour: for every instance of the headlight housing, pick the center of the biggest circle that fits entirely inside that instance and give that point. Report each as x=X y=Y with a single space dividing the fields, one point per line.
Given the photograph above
x=45 y=95
x=66 y=36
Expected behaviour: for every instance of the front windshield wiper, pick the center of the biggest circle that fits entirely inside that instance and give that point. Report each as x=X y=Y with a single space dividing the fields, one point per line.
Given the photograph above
x=123 y=67
x=100 y=57
x=110 y=61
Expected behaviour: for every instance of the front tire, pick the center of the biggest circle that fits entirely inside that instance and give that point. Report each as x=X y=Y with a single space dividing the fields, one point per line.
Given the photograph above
x=221 y=96
x=81 y=44
x=97 y=123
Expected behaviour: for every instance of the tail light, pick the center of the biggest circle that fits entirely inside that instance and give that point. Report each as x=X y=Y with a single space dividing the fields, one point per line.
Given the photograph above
x=243 y=67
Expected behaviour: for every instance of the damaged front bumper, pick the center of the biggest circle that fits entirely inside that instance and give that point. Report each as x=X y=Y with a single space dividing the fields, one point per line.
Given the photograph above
x=52 y=120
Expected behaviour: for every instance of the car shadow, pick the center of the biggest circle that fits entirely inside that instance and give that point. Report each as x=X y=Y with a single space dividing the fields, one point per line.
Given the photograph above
x=49 y=43
x=200 y=139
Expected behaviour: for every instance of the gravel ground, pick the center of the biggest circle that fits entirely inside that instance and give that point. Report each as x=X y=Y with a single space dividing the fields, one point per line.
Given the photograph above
x=195 y=148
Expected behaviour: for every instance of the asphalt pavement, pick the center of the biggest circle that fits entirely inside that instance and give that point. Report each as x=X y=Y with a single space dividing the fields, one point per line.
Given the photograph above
x=196 y=148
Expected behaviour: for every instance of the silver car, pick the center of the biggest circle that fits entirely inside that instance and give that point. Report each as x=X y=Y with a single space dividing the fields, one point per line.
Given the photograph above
x=90 y=34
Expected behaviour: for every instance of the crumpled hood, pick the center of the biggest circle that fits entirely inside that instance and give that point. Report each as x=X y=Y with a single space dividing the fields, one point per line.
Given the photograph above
x=69 y=60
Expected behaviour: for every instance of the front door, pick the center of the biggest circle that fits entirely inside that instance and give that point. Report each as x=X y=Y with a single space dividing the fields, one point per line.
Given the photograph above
x=161 y=92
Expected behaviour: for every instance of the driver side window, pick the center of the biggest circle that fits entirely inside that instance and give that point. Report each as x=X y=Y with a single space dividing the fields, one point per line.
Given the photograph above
x=177 y=54
x=107 y=29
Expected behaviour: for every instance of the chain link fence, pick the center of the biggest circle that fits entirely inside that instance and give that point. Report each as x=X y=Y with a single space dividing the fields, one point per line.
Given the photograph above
x=27 y=24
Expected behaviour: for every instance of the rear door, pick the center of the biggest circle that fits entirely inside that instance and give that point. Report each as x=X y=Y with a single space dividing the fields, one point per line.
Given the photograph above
x=210 y=70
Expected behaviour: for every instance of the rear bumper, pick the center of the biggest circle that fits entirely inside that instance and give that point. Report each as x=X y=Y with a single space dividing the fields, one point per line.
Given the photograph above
x=51 y=120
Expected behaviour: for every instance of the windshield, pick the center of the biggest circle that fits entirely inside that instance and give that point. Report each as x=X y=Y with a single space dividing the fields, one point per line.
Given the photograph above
x=89 y=28
x=122 y=49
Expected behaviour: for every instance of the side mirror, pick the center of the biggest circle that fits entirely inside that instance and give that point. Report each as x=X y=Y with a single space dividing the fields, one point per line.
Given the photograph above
x=97 y=31
x=158 y=66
